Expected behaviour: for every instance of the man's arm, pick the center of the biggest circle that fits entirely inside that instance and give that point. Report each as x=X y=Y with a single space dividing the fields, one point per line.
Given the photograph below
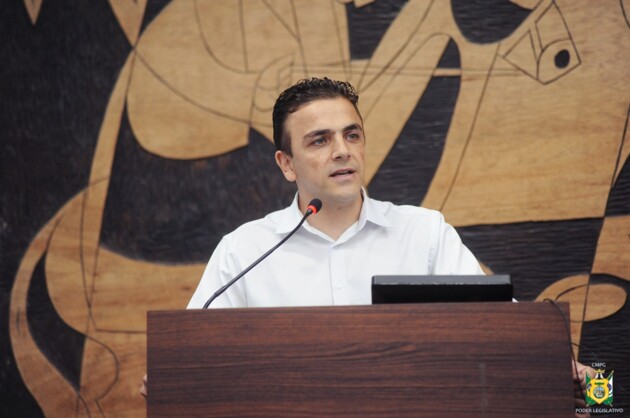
x=221 y=268
x=451 y=255
x=580 y=371
x=143 y=387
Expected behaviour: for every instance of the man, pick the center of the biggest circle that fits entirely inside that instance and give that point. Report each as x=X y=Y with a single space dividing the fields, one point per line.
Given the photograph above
x=320 y=142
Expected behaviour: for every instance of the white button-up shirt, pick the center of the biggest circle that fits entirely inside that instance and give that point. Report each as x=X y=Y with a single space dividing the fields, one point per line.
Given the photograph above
x=311 y=269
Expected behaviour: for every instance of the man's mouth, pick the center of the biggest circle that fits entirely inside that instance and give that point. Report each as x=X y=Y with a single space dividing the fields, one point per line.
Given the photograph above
x=342 y=172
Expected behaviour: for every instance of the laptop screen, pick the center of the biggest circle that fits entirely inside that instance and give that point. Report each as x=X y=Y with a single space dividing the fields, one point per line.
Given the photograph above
x=423 y=289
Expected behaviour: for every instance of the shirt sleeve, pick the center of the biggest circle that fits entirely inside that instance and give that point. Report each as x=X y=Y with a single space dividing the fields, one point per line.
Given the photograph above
x=222 y=267
x=451 y=256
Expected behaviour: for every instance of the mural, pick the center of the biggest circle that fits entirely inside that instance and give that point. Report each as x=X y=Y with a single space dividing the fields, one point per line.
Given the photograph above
x=511 y=117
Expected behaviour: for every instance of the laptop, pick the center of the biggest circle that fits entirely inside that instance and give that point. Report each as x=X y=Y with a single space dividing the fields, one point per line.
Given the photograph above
x=447 y=288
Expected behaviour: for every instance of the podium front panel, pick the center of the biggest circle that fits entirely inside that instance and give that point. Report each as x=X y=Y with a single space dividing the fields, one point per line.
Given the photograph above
x=465 y=359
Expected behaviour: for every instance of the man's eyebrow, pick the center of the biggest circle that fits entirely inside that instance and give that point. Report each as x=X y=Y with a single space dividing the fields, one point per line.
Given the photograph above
x=318 y=132
x=324 y=132
x=353 y=127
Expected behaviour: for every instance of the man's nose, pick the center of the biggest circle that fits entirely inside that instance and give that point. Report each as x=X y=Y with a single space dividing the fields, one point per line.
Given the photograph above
x=340 y=150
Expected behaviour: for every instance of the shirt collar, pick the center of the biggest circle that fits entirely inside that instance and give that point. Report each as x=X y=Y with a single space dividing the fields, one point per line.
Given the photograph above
x=370 y=212
x=373 y=212
x=288 y=218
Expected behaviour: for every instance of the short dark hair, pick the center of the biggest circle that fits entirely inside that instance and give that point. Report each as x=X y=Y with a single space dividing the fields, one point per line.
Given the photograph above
x=302 y=93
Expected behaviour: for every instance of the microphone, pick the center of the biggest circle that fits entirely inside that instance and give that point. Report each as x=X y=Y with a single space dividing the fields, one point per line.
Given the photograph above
x=313 y=207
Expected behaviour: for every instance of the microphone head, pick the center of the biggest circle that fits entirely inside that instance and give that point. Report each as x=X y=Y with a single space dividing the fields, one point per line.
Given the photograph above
x=314 y=206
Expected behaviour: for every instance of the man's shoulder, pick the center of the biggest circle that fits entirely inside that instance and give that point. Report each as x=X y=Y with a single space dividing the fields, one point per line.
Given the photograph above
x=258 y=228
x=405 y=212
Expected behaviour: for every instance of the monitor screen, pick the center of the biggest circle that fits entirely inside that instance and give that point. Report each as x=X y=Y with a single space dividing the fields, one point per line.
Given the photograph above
x=422 y=289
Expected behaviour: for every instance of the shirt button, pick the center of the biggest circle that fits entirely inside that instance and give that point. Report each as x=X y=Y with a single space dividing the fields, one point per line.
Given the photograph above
x=338 y=285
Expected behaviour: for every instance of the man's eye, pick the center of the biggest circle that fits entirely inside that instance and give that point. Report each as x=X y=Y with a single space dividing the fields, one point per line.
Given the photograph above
x=354 y=136
x=319 y=141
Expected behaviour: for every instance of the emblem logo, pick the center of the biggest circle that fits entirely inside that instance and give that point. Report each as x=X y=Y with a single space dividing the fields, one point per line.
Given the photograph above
x=599 y=390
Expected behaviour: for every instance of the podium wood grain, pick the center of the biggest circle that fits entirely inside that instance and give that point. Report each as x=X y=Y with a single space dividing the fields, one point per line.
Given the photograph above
x=485 y=359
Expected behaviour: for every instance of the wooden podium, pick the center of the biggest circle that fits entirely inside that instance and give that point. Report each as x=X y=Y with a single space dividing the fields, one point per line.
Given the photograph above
x=446 y=360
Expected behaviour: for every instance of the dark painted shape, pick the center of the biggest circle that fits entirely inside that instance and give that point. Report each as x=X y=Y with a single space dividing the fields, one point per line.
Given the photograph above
x=368 y=24
x=176 y=211
x=562 y=59
x=606 y=340
x=450 y=58
x=153 y=9
x=626 y=16
x=61 y=344
x=535 y=254
x=55 y=80
x=487 y=21
x=619 y=197
x=406 y=173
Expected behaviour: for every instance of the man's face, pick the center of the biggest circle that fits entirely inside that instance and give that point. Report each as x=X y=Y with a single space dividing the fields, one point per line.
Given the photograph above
x=328 y=147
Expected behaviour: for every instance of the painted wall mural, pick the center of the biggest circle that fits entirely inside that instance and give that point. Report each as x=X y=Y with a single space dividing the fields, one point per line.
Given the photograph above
x=136 y=134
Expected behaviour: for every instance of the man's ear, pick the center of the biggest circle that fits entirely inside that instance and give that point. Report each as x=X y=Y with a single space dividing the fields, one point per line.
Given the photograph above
x=285 y=162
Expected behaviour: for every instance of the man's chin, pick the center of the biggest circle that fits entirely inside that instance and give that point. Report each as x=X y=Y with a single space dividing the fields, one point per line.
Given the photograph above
x=344 y=198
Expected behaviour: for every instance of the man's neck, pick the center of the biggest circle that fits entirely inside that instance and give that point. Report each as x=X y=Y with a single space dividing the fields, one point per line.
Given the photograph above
x=335 y=218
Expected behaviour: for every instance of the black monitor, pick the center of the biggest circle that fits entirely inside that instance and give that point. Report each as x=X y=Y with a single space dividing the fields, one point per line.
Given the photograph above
x=421 y=289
